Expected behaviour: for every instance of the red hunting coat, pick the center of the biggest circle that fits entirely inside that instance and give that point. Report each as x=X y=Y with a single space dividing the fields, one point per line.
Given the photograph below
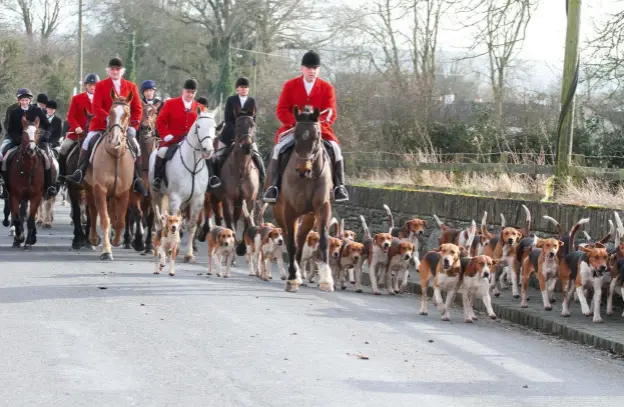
x=102 y=103
x=294 y=94
x=175 y=120
x=76 y=116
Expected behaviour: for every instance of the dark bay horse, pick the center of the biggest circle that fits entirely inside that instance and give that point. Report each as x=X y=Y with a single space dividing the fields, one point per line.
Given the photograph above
x=240 y=178
x=139 y=214
x=26 y=183
x=305 y=193
x=77 y=198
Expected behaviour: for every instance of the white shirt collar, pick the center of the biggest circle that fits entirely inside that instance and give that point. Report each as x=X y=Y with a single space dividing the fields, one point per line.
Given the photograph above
x=90 y=96
x=242 y=99
x=308 y=85
x=187 y=105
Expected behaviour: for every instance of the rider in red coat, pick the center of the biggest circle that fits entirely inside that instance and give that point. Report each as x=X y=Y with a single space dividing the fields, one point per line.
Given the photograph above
x=77 y=119
x=102 y=103
x=307 y=89
x=173 y=122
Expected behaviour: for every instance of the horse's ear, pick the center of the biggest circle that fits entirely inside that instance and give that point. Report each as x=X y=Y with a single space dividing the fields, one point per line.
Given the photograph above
x=24 y=122
x=317 y=113
x=296 y=111
x=199 y=109
x=86 y=112
x=157 y=105
x=237 y=111
x=113 y=94
x=36 y=121
x=130 y=96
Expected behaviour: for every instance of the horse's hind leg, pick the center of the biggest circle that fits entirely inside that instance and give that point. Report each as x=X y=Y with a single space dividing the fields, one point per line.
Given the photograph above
x=326 y=281
x=16 y=222
x=148 y=213
x=31 y=239
x=120 y=209
x=294 y=279
x=194 y=211
x=7 y=213
x=137 y=243
x=99 y=197
x=79 y=236
x=127 y=237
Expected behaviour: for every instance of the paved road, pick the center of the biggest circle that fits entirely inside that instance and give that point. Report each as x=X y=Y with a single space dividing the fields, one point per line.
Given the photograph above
x=194 y=340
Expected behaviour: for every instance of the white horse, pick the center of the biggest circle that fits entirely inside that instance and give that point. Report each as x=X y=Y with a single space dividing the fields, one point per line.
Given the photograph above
x=187 y=175
x=45 y=213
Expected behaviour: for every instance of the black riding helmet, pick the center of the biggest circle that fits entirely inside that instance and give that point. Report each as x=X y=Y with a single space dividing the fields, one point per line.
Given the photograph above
x=23 y=92
x=42 y=98
x=91 y=78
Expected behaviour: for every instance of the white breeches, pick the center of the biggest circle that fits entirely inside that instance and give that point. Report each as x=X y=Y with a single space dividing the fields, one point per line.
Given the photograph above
x=162 y=151
x=66 y=145
x=2 y=147
x=286 y=139
x=131 y=133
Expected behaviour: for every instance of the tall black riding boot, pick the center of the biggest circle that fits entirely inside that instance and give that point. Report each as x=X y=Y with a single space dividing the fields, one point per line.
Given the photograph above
x=259 y=162
x=49 y=188
x=159 y=170
x=83 y=162
x=272 y=192
x=214 y=167
x=340 y=192
x=138 y=180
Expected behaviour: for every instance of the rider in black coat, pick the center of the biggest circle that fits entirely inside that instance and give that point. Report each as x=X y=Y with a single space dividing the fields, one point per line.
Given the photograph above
x=226 y=137
x=15 y=129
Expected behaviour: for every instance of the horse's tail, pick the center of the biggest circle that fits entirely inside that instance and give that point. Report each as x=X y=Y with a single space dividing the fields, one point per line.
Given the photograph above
x=367 y=233
x=390 y=218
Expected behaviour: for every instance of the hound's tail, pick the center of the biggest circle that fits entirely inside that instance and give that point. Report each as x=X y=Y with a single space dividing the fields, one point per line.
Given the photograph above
x=390 y=218
x=527 y=226
x=555 y=223
x=367 y=233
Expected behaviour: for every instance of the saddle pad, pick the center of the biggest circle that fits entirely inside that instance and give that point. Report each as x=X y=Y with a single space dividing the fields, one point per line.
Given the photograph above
x=129 y=143
x=97 y=143
x=5 y=159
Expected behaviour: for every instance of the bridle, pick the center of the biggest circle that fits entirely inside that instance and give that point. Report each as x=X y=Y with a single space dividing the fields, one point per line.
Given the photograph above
x=112 y=126
x=202 y=161
x=249 y=135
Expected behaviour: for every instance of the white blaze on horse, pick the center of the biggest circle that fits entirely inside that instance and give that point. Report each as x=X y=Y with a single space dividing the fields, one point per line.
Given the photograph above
x=187 y=175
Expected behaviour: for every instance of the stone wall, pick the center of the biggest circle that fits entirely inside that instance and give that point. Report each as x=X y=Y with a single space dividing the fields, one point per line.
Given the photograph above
x=458 y=211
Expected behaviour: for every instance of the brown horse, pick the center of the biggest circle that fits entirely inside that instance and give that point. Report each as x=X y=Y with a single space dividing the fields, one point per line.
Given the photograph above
x=108 y=180
x=240 y=180
x=306 y=186
x=76 y=194
x=26 y=183
x=139 y=214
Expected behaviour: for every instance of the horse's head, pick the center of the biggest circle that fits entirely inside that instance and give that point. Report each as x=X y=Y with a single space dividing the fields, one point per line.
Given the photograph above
x=244 y=129
x=30 y=136
x=203 y=132
x=118 y=119
x=148 y=120
x=307 y=135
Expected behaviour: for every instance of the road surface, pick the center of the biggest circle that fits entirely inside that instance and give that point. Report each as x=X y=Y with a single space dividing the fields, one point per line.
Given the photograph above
x=76 y=331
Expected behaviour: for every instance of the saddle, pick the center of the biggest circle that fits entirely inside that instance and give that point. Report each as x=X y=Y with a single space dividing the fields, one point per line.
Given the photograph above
x=288 y=149
x=131 y=146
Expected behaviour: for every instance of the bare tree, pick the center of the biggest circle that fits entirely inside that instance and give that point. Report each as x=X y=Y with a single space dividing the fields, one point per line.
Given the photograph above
x=42 y=16
x=501 y=29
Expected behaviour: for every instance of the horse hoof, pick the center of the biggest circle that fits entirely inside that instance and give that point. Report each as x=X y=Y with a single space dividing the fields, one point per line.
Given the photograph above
x=47 y=226
x=77 y=244
x=138 y=246
x=283 y=277
x=189 y=259
x=291 y=286
x=16 y=243
x=106 y=256
x=27 y=247
x=326 y=287
x=6 y=223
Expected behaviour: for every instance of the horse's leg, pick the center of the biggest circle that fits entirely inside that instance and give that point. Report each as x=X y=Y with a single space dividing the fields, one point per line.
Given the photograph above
x=326 y=282
x=101 y=208
x=127 y=238
x=195 y=208
x=18 y=234
x=208 y=204
x=119 y=216
x=307 y=223
x=149 y=220
x=31 y=239
x=137 y=243
x=40 y=215
x=7 y=212
x=294 y=279
x=79 y=236
x=48 y=212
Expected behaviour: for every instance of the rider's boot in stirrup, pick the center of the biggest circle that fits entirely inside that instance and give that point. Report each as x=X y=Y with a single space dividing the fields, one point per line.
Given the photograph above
x=272 y=192
x=83 y=162
x=159 y=169
x=138 y=180
x=340 y=192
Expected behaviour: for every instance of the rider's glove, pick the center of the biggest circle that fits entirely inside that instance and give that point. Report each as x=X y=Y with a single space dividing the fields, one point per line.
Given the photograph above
x=168 y=138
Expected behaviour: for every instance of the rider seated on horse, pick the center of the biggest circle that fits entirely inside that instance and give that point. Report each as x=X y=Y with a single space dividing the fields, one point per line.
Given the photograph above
x=80 y=105
x=15 y=129
x=173 y=122
x=148 y=90
x=244 y=103
x=307 y=89
x=56 y=124
x=203 y=101
x=102 y=104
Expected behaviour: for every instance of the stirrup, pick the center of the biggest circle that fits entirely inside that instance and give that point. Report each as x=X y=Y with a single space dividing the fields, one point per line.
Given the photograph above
x=51 y=191
x=157 y=184
x=76 y=177
x=214 y=182
x=341 y=194
x=271 y=194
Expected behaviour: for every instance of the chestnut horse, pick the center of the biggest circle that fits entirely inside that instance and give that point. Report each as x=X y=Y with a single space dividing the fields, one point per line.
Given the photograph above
x=76 y=194
x=139 y=215
x=108 y=180
x=306 y=186
x=26 y=183
x=240 y=180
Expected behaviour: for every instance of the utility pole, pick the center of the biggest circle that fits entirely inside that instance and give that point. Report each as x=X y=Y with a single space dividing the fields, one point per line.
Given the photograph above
x=568 y=89
x=79 y=88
